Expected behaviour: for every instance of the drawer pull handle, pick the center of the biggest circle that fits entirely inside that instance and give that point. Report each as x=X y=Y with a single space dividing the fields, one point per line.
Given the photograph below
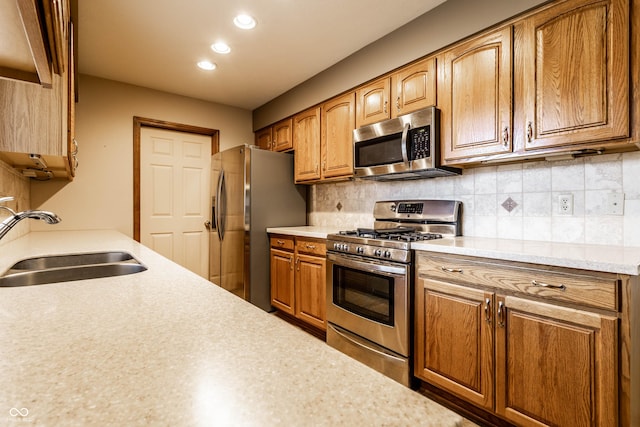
x=487 y=310
x=291 y=263
x=451 y=270
x=547 y=285
x=310 y=246
x=501 y=314
x=281 y=242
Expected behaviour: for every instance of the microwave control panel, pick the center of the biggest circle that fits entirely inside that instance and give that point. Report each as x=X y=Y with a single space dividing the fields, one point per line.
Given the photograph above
x=420 y=143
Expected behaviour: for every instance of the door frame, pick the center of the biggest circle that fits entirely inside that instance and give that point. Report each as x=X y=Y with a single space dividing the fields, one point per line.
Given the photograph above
x=138 y=124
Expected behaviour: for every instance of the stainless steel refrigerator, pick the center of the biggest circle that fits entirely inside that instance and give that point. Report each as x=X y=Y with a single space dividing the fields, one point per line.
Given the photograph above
x=252 y=189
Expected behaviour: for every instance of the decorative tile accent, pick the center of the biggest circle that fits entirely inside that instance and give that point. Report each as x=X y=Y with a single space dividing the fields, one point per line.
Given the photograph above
x=509 y=204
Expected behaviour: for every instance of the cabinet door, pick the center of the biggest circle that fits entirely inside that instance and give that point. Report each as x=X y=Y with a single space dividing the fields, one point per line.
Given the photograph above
x=475 y=99
x=454 y=339
x=414 y=87
x=373 y=102
x=555 y=366
x=338 y=123
x=263 y=138
x=306 y=135
x=311 y=289
x=574 y=69
x=282 y=280
x=282 y=136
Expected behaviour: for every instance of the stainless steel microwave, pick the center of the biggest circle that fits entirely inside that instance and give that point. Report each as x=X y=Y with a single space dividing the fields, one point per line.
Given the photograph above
x=405 y=147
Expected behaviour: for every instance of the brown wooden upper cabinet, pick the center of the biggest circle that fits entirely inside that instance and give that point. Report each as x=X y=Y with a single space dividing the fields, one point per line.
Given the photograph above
x=336 y=139
x=323 y=140
x=411 y=88
x=306 y=136
x=282 y=136
x=263 y=138
x=475 y=96
x=573 y=73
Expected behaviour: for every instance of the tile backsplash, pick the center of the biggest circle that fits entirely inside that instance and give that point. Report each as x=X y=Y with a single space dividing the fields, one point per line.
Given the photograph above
x=13 y=183
x=519 y=201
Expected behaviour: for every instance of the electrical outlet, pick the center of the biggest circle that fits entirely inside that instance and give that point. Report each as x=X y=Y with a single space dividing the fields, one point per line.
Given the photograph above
x=565 y=204
x=615 y=204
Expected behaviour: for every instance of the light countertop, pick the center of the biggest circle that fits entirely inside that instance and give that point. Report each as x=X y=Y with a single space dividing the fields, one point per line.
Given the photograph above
x=605 y=258
x=166 y=347
x=304 y=231
x=609 y=259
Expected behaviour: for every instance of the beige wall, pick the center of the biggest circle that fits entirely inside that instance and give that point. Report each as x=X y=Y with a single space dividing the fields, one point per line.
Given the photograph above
x=101 y=196
x=451 y=21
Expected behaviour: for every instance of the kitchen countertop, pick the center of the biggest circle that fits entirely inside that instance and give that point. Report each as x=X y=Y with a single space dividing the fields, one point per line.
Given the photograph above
x=608 y=259
x=304 y=231
x=611 y=259
x=166 y=347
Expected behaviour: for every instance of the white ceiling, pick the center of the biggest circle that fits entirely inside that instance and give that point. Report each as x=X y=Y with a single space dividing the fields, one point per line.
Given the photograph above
x=156 y=43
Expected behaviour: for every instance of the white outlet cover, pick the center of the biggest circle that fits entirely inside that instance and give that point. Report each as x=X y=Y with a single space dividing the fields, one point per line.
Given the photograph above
x=565 y=204
x=615 y=205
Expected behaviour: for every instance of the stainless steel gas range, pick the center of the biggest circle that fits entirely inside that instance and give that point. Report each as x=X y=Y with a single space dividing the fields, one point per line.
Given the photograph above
x=370 y=282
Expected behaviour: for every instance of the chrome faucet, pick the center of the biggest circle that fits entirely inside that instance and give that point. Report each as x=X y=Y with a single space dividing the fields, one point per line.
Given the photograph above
x=16 y=217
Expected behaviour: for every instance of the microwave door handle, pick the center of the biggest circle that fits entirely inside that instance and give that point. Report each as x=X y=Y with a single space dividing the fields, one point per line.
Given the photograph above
x=405 y=143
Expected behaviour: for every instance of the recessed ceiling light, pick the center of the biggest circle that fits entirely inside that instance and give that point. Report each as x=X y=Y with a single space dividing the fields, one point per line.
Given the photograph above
x=245 y=22
x=220 y=47
x=207 y=65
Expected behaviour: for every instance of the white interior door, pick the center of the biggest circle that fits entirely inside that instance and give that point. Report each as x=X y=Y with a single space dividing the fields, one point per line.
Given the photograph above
x=174 y=196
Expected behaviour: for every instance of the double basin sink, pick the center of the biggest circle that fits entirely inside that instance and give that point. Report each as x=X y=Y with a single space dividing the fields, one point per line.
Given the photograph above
x=66 y=268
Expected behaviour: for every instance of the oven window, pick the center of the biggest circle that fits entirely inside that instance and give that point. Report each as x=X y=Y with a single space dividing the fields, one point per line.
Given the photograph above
x=364 y=293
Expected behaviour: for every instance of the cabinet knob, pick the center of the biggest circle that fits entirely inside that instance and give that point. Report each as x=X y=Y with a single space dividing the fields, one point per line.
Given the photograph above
x=529 y=132
x=505 y=136
x=385 y=107
x=398 y=103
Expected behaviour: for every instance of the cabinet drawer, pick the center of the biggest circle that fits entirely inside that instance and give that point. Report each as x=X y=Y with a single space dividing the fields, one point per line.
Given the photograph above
x=311 y=246
x=595 y=290
x=282 y=242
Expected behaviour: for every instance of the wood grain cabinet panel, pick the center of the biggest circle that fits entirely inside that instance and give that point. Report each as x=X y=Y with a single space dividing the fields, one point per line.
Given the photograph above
x=373 y=102
x=573 y=65
x=555 y=366
x=298 y=278
x=263 y=138
x=282 y=135
x=337 y=122
x=414 y=87
x=282 y=280
x=454 y=340
x=306 y=137
x=476 y=96
x=533 y=360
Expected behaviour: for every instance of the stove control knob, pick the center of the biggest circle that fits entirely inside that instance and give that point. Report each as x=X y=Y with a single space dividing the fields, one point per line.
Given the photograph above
x=336 y=246
x=345 y=248
x=360 y=250
x=387 y=254
x=378 y=252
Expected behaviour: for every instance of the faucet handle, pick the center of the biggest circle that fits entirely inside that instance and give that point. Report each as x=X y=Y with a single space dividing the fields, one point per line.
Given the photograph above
x=6 y=199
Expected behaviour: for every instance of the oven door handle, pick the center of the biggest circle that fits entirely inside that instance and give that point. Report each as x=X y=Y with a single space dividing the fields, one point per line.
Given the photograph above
x=368 y=266
x=362 y=344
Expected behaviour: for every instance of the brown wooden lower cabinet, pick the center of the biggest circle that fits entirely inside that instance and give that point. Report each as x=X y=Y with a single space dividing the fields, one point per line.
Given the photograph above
x=517 y=348
x=298 y=278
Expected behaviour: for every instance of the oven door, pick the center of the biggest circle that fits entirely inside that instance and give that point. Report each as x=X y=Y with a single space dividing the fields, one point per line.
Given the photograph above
x=370 y=298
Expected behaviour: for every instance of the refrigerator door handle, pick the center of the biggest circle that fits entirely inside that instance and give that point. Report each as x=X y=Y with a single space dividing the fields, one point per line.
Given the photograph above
x=222 y=205
x=216 y=219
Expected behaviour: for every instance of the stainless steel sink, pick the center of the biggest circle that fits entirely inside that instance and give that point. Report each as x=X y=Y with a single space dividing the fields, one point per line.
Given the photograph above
x=66 y=268
x=55 y=261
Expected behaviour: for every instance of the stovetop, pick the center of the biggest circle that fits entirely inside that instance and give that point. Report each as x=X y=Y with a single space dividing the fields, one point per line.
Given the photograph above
x=397 y=225
x=401 y=234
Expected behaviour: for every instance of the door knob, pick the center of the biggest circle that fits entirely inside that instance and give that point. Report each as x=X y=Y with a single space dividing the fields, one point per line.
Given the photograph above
x=207 y=224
